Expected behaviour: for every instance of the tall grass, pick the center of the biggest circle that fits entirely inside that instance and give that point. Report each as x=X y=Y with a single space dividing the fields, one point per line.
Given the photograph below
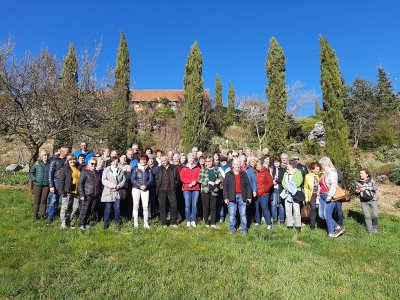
x=43 y=261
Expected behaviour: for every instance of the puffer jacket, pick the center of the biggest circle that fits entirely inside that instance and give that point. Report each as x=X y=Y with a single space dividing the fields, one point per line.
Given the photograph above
x=141 y=177
x=264 y=182
x=39 y=173
x=112 y=184
x=89 y=183
x=56 y=165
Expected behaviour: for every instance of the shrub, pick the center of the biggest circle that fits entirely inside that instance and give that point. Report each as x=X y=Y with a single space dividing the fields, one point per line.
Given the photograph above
x=394 y=175
x=397 y=204
x=386 y=154
x=384 y=169
x=312 y=148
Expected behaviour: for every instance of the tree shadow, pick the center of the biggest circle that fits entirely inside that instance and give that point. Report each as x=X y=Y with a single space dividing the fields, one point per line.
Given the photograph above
x=357 y=216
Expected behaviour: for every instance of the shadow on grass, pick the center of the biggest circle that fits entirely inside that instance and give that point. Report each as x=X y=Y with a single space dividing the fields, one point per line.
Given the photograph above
x=357 y=216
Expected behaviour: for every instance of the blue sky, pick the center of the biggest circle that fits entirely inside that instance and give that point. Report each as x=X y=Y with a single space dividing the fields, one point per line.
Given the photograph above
x=233 y=37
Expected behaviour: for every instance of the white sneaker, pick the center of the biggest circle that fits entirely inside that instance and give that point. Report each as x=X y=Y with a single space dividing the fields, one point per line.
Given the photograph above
x=83 y=228
x=187 y=224
x=269 y=227
x=214 y=226
x=207 y=225
x=63 y=225
x=136 y=225
x=193 y=223
x=165 y=226
x=256 y=224
x=174 y=226
x=146 y=226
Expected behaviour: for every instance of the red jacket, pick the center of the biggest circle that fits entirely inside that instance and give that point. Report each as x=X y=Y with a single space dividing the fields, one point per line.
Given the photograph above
x=188 y=175
x=264 y=182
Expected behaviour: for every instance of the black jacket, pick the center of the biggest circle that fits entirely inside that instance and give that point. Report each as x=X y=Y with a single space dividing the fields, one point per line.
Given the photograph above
x=66 y=180
x=230 y=186
x=174 y=179
x=56 y=165
x=281 y=172
x=89 y=183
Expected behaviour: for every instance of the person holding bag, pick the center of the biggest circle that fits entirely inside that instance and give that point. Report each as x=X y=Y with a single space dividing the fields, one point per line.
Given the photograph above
x=366 y=189
x=311 y=190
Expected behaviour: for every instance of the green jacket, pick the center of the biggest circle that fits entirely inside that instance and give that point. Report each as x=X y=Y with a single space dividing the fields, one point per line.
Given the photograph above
x=297 y=178
x=203 y=179
x=39 y=173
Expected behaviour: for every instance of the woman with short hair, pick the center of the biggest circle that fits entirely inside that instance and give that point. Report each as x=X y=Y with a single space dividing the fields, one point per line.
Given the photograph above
x=39 y=174
x=264 y=185
x=366 y=189
x=311 y=190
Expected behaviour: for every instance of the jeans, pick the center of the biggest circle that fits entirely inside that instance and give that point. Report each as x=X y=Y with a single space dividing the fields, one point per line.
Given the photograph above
x=222 y=208
x=262 y=203
x=232 y=208
x=191 y=198
x=276 y=206
x=322 y=204
x=107 y=211
x=330 y=222
x=52 y=201
x=370 y=222
x=339 y=212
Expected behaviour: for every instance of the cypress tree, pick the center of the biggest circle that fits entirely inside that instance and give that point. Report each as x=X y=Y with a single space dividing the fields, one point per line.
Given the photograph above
x=69 y=80
x=230 y=115
x=277 y=128
x=385 y=97
x=193 y=103
x=119 y=114
x=218 y=93
x=333 y=95
x=318 y=109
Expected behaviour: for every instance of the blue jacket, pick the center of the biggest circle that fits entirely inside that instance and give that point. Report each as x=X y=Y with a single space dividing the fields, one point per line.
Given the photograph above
x=252 y=178
x=140 y=178
x=87 y=154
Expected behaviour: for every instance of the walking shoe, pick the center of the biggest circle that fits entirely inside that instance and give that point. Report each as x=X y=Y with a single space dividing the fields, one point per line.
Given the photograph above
x=207 y=225
x=165 y=226
x=256 y=224
x=221 y=220
x=290 y=227
x=187 y=224
x=214 y=226
x=63 y=224
x=146 y=226
x=193 y=223
x=338 y=231
x=269 y=227
x=136 y=225
x=298 y=229
x=244 y=233
x=83 y=228
x=174 y=226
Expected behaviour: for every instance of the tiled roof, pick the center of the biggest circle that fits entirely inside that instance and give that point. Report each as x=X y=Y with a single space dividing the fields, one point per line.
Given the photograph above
x=173 y=95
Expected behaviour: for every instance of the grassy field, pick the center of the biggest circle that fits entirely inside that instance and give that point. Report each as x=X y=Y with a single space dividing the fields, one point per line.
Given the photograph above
x=41 y=261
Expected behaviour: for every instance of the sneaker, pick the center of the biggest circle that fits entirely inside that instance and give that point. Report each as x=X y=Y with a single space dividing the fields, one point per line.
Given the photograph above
x=193 y=223
x=338 y=231
x=174 y=226
x=269 y=227
x=214 y=226
x=256 y=224
x=244 y=233
x=187 y=224
x=63 y=225
x=136 y=225
x=221 y=220
x=83 y=228
x=146 y=226
x=207 y=225
x=165 y=226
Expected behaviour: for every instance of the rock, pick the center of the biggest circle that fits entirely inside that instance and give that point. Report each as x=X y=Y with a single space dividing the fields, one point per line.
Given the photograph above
x=14 y=168
x=25 y=169
x=383 y=179
x=318 y=134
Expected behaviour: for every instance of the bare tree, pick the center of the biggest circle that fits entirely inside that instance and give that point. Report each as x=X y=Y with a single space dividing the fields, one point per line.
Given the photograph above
x=254 y=112
x=298 y=97
x=34 y=103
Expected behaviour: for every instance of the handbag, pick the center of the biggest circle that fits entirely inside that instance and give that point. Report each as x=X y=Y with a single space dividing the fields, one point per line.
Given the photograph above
x=341 y=195
x=299 y=197
x=122 y=193
x=305 y=212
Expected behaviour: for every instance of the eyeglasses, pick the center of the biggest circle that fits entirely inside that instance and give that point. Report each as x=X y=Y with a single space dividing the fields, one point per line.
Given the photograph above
x=93 y=164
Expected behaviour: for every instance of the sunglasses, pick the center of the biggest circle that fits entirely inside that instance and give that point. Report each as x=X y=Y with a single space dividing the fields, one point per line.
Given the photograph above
x=93 y=164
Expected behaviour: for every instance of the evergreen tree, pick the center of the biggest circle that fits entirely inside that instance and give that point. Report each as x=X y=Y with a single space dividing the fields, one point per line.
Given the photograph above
x=230 y=115
x=277 y=128
x=387 y=101
x=119 y=114
x=69 y=85
x=333 y=95
x=218 y=93
x=193 y=103
x=318 y=110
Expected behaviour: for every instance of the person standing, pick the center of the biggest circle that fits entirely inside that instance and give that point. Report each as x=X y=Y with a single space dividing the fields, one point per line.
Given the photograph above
x=189 y=176
x=166 y=182
x=113 y=181
x=39 y=174
x=237 y=191
x=223 y=169
x=89 y=188
x=56 y=165
x=210 y=180
x=311 y=190
x=277 y=205
x=264 y=185
x=142 y=179
x=69 y=178
x=366 y=189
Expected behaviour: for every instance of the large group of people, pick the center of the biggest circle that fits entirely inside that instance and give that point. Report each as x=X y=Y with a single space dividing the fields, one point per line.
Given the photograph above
x=190 y=188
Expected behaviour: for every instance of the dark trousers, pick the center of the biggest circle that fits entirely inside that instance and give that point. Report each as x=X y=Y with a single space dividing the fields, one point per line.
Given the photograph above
x=86 y=208
x=162 y=199
x=40 y=194
x=313 y=216
x=209 y=204
x=180 y=202
x=153 y=202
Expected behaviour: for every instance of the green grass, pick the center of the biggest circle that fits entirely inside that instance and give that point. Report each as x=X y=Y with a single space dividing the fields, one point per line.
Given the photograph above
x=41 y=261
x=14 y=178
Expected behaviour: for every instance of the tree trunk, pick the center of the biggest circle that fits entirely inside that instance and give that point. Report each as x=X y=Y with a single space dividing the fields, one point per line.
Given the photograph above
x=34 y=150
